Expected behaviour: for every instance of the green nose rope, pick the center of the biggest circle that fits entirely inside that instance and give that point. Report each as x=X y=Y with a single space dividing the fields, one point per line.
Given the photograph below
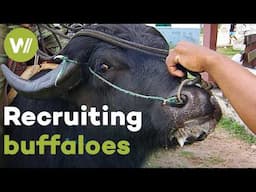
x=64 y=63
x=170 y=100
x=173 y=100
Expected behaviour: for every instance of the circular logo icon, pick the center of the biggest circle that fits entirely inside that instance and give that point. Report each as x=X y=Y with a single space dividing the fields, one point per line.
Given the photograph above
x=20 y=45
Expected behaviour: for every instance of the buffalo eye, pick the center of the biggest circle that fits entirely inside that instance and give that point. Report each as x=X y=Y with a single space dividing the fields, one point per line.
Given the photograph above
x=104 y=67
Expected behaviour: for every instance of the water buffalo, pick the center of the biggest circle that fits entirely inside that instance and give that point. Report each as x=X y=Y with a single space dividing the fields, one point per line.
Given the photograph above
x=140 y=72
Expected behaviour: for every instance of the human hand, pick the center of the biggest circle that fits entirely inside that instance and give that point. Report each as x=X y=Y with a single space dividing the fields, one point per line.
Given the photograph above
x=190 y=56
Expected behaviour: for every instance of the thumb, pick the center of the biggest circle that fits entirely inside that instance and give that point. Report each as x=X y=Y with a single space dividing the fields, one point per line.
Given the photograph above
x=171 y=62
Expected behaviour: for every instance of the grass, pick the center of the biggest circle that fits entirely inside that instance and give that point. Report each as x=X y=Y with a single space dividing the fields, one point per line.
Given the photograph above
x=229 y=51
x=187 y=154
x=215 y=160
x=237 y=130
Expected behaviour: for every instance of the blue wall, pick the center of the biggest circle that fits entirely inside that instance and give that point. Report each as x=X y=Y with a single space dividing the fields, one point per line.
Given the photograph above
x=174 y=35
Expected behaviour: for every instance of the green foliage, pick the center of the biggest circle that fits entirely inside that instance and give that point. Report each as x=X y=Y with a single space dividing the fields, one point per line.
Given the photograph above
x=229 y=51
x=237 y=130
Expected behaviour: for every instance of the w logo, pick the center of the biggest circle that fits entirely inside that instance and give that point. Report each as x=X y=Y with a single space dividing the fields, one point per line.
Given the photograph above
x=21 y=45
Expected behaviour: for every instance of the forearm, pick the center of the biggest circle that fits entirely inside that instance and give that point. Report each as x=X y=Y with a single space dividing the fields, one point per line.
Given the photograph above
x=237 y=84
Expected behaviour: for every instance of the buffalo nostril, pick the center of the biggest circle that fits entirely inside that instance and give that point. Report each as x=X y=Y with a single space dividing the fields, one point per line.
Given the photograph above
x=202 y=136
x=177 y=101
x=183 y=99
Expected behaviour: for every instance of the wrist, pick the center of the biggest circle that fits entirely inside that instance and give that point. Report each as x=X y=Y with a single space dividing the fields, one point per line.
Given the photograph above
x=212 y=62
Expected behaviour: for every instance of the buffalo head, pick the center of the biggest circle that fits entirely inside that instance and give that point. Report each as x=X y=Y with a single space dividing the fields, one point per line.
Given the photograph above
x=131 y=70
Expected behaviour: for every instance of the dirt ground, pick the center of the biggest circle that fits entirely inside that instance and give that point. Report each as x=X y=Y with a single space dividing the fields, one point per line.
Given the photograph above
x=218 y=150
